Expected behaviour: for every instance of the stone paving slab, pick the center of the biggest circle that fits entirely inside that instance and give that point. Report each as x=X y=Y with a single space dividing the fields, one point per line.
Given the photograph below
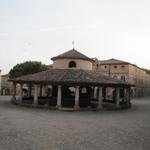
x=23 y=128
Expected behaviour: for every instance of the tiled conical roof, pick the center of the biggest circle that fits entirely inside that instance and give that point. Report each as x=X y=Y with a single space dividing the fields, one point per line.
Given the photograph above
x=69 y=76
x=73 y=54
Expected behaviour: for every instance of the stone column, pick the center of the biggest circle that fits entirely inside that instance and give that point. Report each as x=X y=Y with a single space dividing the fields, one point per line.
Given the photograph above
x=128 y=95
x=100 y=98
x=21 y=93
x=3 y=91
x=95 y=92
x=30 y=89
x=118 y=96
x=59 y=96
x=123 y=95
x=14 y=89
x=44 y=88
x=76 y=106
x=41 y=90
x=105 y=89
x=13 y=99
x=35 y=94
x=50 y=90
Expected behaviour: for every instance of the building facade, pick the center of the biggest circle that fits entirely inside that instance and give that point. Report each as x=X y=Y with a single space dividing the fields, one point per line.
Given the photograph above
x=6 y=86
x=113 y=68
x=0 y=82
x=127 y=72
x=71 y=85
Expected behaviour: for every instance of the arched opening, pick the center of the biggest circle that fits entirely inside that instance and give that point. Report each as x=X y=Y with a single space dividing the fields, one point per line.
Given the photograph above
x=115 y=77
x=5 y=91
x=72 y=64
x=25 y=91
x=68 y=96
x=85 y=96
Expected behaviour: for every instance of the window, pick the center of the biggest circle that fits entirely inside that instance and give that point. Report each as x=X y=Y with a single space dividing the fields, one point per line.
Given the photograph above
x=135 y=81
x=123 y=78
x=105 y=67
x=115 y=66
x=72 y=64
x=97 y=66
x=122 y=66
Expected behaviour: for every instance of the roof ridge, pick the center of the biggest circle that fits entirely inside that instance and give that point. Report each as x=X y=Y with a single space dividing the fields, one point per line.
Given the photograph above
x=73 y=54
x=113 y=61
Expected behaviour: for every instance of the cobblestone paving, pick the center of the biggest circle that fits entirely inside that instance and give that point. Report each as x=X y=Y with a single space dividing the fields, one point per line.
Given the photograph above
x=23 y=128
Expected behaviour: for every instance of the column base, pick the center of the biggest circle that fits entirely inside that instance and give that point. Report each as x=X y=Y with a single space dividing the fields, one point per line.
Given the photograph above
x=76 y=108
x=118 y=106
x=13 y=100
x=99 y=107
x=66 y=109
x=58 y=107
x=35 y=105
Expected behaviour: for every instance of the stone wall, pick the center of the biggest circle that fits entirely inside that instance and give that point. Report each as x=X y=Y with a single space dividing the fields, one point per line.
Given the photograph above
x=80 y=64
x=128 y=72
x=6 y=87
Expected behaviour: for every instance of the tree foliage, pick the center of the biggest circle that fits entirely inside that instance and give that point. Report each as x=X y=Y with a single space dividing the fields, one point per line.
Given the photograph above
x=28 y=67
x=147 y=71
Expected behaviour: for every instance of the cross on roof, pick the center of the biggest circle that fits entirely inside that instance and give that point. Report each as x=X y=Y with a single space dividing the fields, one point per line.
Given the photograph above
x=73 y=43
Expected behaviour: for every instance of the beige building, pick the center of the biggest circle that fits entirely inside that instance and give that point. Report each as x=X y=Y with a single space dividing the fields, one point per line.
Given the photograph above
x=6 y=87
x=72 y=59
x=114 y=68
x=71 y=84
x=127 y=72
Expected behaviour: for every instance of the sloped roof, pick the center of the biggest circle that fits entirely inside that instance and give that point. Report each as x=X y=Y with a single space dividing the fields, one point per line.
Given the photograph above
x=73 y=54
x=69 y=76
x=113 y=61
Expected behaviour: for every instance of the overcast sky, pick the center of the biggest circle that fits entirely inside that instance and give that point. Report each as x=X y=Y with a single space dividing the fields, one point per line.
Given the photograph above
x=41 y=29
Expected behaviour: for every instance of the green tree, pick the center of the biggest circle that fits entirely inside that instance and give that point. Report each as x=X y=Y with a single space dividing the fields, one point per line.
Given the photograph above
x=28 y=67
x=147 y=71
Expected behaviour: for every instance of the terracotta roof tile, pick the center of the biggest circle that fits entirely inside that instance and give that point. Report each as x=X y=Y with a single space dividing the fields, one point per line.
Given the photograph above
x=69 y=76
x=72 y=54
x=112 y=61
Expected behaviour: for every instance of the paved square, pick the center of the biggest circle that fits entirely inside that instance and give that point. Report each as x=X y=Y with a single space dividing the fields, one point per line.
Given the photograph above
x=24 y=128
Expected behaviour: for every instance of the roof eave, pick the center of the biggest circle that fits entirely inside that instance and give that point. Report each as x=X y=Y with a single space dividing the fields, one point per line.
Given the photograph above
x=87 y=59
